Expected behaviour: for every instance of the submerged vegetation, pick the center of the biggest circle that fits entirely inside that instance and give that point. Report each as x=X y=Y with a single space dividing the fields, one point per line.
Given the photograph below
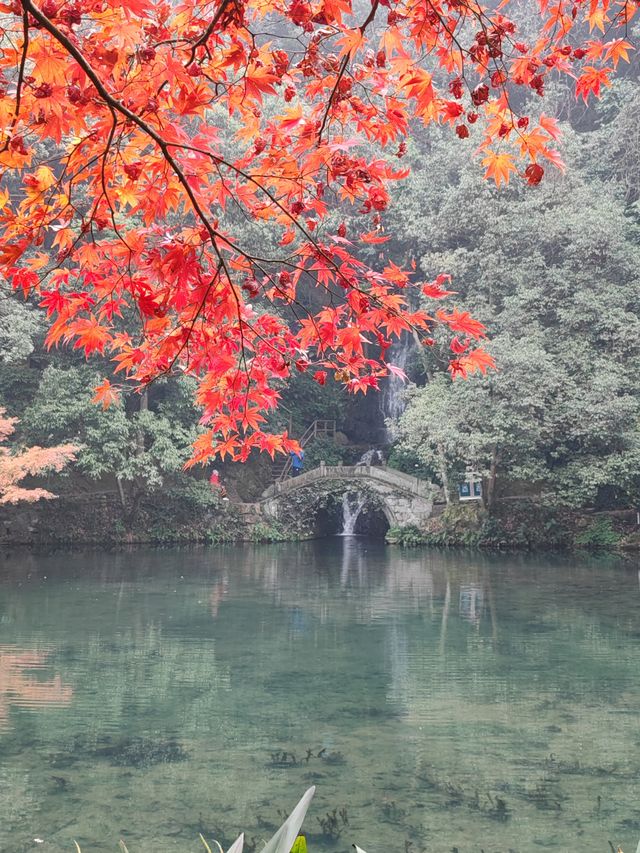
x=287 y=840
x=141 y=752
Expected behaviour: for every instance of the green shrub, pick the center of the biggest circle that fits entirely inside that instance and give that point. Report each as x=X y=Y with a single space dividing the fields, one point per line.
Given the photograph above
x=406 y=537
x=263 y=532
x=513 y=525
x=194 y=494
x=403 y=460
x=598 y=536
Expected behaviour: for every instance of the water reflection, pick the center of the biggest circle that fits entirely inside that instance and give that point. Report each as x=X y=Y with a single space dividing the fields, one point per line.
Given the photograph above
x=418 y=690
x=217 y=595
x=21 y=688
x=383 y=581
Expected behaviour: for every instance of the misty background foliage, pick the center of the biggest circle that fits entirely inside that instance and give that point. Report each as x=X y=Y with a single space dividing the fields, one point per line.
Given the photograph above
x=551 y=270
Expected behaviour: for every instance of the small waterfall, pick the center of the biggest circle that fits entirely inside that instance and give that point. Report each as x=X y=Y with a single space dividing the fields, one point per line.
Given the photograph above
x=392 y=402
x=350 y=513
x=371 y=457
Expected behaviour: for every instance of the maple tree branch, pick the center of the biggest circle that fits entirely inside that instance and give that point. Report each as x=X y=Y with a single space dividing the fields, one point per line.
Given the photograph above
x=339 y=76
x=450 y=33
x=219 y=161
x=114 y=104
x=209 y=31
x=20 y=81
x=199 y=310
x=343 y=67
x=103 y=178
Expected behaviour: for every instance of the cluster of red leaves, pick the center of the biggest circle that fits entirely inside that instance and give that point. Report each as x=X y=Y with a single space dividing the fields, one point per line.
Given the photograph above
x=117 y=176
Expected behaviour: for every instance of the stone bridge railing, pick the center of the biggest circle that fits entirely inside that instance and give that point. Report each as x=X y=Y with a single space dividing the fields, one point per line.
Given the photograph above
x=380 y=474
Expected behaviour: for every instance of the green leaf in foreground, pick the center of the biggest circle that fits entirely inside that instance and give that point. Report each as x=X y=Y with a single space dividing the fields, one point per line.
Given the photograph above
x=299 y=845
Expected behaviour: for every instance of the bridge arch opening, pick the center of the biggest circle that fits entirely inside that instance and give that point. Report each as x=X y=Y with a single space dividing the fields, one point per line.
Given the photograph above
x=328 y=521
x=366 y=517
x=372 y=521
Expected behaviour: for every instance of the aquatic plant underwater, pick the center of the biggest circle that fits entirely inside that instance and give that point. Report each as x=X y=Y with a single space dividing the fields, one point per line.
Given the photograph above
x=286 y=839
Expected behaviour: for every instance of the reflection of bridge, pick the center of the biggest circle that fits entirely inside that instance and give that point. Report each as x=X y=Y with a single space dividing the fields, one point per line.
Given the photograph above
x=404 y=499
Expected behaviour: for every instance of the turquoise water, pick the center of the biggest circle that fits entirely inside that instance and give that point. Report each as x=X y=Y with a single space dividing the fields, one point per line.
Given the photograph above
x=438 y=701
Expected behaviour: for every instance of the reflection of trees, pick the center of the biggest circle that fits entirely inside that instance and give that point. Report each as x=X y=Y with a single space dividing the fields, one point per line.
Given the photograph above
x=217 y=595
x=23 y=690
x=385 y=655
x=150 y=648
x=149 y=672
x=336 y=578
x=145 y=657
x=471 y=602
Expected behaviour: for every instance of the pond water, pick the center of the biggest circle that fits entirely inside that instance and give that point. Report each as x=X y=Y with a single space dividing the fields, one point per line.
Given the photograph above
x=438 y=700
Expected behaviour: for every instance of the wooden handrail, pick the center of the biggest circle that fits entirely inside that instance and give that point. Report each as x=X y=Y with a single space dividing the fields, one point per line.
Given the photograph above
x=318 y=427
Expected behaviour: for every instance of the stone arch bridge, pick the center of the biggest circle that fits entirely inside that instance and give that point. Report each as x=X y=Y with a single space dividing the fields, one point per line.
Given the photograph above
x=405 y=500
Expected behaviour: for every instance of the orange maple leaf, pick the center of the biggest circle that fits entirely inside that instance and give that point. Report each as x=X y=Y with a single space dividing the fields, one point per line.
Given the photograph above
x=105 y=394
x=90 y=335
x=462 y=321
x=499 y=167
x=591 y=81
x=618 y=49
x=477 y=360
x=350 y=41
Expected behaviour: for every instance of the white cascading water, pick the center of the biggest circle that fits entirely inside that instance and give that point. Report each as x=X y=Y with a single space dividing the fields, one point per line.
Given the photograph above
x=371 y=457
x=392 y=398
x=350 y=513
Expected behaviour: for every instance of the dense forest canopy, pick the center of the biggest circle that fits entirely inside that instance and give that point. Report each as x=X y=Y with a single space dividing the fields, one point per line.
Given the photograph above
x=146 y=144
x=554 y=276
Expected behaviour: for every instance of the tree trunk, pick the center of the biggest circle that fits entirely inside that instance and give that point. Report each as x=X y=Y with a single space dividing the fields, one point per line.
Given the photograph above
x=444 y=476
x=144 y=405
x=491 y=483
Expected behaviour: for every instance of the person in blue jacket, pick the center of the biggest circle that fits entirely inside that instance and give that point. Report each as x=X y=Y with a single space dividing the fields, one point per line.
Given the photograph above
x=297 y=461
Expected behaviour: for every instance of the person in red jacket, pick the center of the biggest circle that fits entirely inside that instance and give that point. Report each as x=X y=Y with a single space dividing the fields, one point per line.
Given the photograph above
x=214 y=479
